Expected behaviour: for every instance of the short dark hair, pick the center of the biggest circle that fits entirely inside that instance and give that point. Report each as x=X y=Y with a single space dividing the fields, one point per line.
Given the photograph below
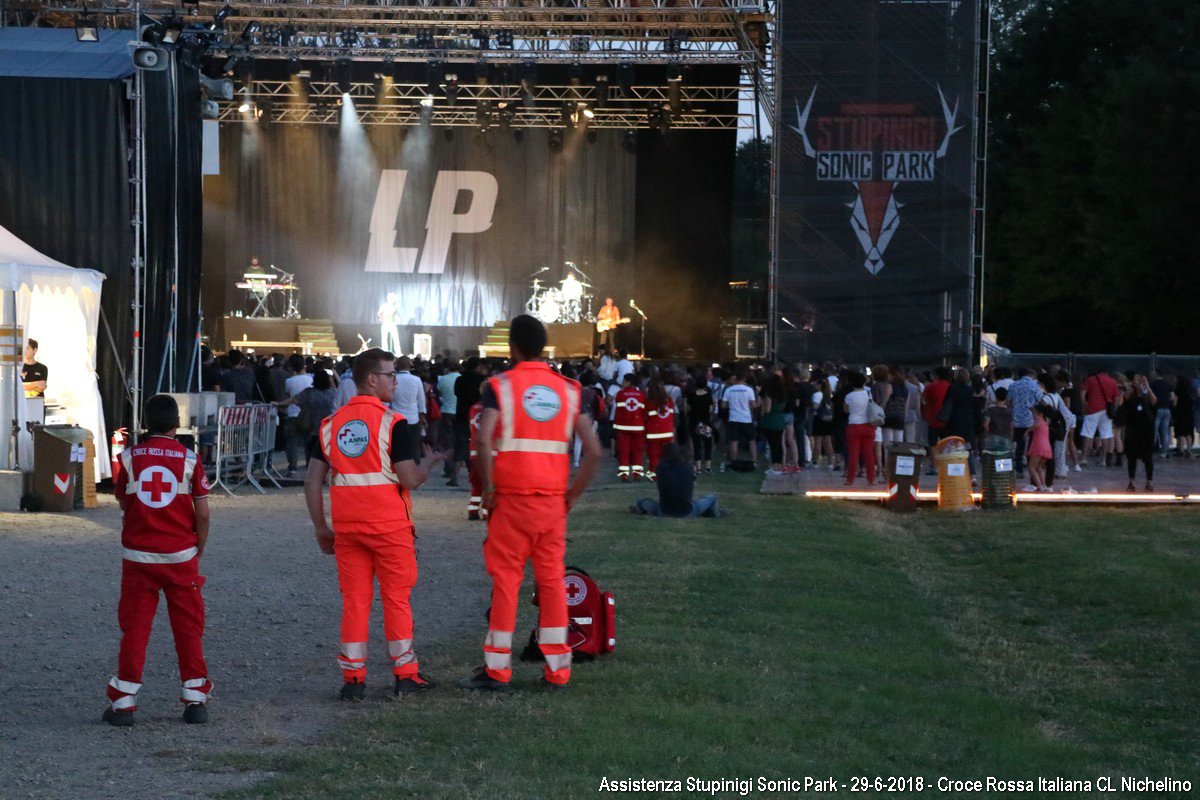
x=235 y=358
x=527 y=335
x=367 y=362
x=295 y=363
x=33 y=343
x=1001 y=394
x=161 y=414
x=321 y=380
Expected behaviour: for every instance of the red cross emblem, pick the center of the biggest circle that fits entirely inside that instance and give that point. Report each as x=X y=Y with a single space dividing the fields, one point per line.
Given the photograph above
x=157 y=487
x=576 y=590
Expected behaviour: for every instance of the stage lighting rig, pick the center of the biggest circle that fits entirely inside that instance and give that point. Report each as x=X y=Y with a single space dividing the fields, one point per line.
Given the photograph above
x=675 y=92
x=347 y=38
x=629 y=142
x=424 y=38
x=483 y=116
x=345 y=74
x=481 y=73
x=506 y=115
x=451 y=88
x=600 y=95
x=172 y=29
x=555 y=140
x=504 y=40
x=625 y=77
x=528 y=81
x=581 y=44
x=483 y=40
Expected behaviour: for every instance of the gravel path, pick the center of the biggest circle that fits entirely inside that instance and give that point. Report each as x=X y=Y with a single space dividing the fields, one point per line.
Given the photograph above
x=271 y=642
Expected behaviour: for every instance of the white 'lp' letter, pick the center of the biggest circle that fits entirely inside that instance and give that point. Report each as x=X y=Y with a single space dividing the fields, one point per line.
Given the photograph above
x=443 y=223
x=382 y=253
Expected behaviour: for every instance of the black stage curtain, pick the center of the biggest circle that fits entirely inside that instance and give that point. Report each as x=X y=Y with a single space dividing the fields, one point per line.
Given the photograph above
x=64 y=189
x=684 y=242
x=174 y=219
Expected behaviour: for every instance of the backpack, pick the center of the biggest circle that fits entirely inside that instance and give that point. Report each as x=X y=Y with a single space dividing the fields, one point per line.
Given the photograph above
x=896 y=410
x=825 y=410
x=591 y=622
x=1058 y=423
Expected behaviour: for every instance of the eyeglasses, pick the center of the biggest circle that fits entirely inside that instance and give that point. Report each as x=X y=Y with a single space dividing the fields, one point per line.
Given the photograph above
x=393 y=374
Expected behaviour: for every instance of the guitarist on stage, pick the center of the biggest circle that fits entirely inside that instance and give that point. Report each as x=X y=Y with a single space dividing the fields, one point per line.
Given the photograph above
x=607 y=320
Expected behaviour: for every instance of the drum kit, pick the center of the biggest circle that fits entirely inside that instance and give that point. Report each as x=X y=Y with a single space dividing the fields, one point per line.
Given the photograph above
x=568 y=302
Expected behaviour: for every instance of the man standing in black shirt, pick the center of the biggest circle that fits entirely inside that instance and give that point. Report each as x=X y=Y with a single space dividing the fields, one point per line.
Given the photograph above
x=33 y=374
x=239 y=378
x=466 y=394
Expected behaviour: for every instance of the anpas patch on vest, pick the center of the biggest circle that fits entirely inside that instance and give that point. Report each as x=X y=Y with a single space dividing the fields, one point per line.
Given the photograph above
x=353 y=438
x=541 y=404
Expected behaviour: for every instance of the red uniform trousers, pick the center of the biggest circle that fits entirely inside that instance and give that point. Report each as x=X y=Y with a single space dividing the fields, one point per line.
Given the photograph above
x=654 y=448
x=522 y=528
x=361 y=557
x=631 y=446
x=860 y=442
x=140 y=586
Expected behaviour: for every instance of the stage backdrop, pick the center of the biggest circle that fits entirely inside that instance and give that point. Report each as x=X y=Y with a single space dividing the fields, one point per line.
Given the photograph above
x=875 y=245
x=455 y=226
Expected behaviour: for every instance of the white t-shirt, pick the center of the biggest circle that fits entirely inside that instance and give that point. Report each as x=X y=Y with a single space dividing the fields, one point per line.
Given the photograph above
x=739 y=398
x=1003 y=383
x=856 y=407
x=608 y=367
x=624 y=367
x=833 y=382
x=612 y=400
x=294 y=386
x=346 y=390
x=409 y=399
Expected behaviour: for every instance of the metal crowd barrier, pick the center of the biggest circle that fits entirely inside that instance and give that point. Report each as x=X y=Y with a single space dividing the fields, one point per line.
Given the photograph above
x=245 y=443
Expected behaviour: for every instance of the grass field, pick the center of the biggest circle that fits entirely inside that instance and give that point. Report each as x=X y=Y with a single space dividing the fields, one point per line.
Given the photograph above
x=801 y=639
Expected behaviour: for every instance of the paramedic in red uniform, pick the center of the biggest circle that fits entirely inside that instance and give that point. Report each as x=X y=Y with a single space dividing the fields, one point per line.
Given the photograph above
x=660 y=425
x=163 y=493
x=530 y=413
x=367 y=450
x=629 y=424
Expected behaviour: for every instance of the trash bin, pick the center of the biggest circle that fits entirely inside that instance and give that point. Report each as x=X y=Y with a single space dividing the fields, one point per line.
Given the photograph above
x=952 y=456
x=999 y=477
x=58 y=453
x=903 y=473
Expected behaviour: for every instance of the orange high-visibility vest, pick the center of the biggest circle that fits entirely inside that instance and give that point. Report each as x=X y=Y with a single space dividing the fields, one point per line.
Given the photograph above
x=364 y=492
x=538 y=408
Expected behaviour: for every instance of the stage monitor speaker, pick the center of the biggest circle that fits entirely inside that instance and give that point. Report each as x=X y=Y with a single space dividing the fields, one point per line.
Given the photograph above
x=750 y=341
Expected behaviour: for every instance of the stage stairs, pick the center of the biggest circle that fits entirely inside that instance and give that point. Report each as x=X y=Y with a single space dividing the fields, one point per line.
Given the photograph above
x=495 y=344
x=318 y=334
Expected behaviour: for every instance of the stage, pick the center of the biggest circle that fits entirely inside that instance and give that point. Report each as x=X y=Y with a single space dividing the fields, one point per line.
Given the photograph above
x=323 y=336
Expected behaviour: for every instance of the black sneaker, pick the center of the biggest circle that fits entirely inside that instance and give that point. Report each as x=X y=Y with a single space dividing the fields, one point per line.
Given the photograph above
x=480 y=680
x=412 y=684
x=118 y=719
x=472 y=516
x=353 y=692
x=552 y=687
x=452 y=482
x=195 y=714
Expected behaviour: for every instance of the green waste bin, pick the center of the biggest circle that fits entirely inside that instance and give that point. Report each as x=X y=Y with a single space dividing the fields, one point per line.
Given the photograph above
x=999 y=474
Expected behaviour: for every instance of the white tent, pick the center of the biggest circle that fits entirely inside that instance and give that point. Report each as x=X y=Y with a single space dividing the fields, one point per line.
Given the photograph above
x=59 y=306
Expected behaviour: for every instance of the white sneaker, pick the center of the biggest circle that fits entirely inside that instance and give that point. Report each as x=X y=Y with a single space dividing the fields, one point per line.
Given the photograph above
x=1029 y=488
x=1077 y=468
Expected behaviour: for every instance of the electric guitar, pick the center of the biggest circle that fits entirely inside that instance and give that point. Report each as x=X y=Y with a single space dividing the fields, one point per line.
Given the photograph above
x=604 y=325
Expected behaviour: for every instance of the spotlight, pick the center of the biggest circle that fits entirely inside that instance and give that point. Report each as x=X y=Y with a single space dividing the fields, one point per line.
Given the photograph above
x=451 y=88
x=581 y=44
x=427 y=101
x=483 y=116
x=424 y=39
x=286 y=34
x=218 y=23
x=251 y=31
x=348 y=38
x=172 y=30
x=85 y=28
x=556 y=139
x=587 y=112
x=507 y=115
x=504 y=39
x=244 y=107
x=567 y=116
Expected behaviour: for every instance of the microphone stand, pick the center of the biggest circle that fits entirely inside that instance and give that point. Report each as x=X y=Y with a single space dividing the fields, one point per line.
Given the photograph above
x=634 y=306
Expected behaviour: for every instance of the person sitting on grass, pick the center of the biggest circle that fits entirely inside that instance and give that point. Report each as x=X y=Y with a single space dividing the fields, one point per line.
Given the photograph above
x=676 y=479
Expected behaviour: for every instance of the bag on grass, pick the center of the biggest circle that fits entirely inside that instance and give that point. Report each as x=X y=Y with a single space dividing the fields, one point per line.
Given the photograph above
x=591 y=619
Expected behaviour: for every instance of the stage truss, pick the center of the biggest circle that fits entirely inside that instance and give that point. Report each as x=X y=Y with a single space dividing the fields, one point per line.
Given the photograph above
x=467 y=38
